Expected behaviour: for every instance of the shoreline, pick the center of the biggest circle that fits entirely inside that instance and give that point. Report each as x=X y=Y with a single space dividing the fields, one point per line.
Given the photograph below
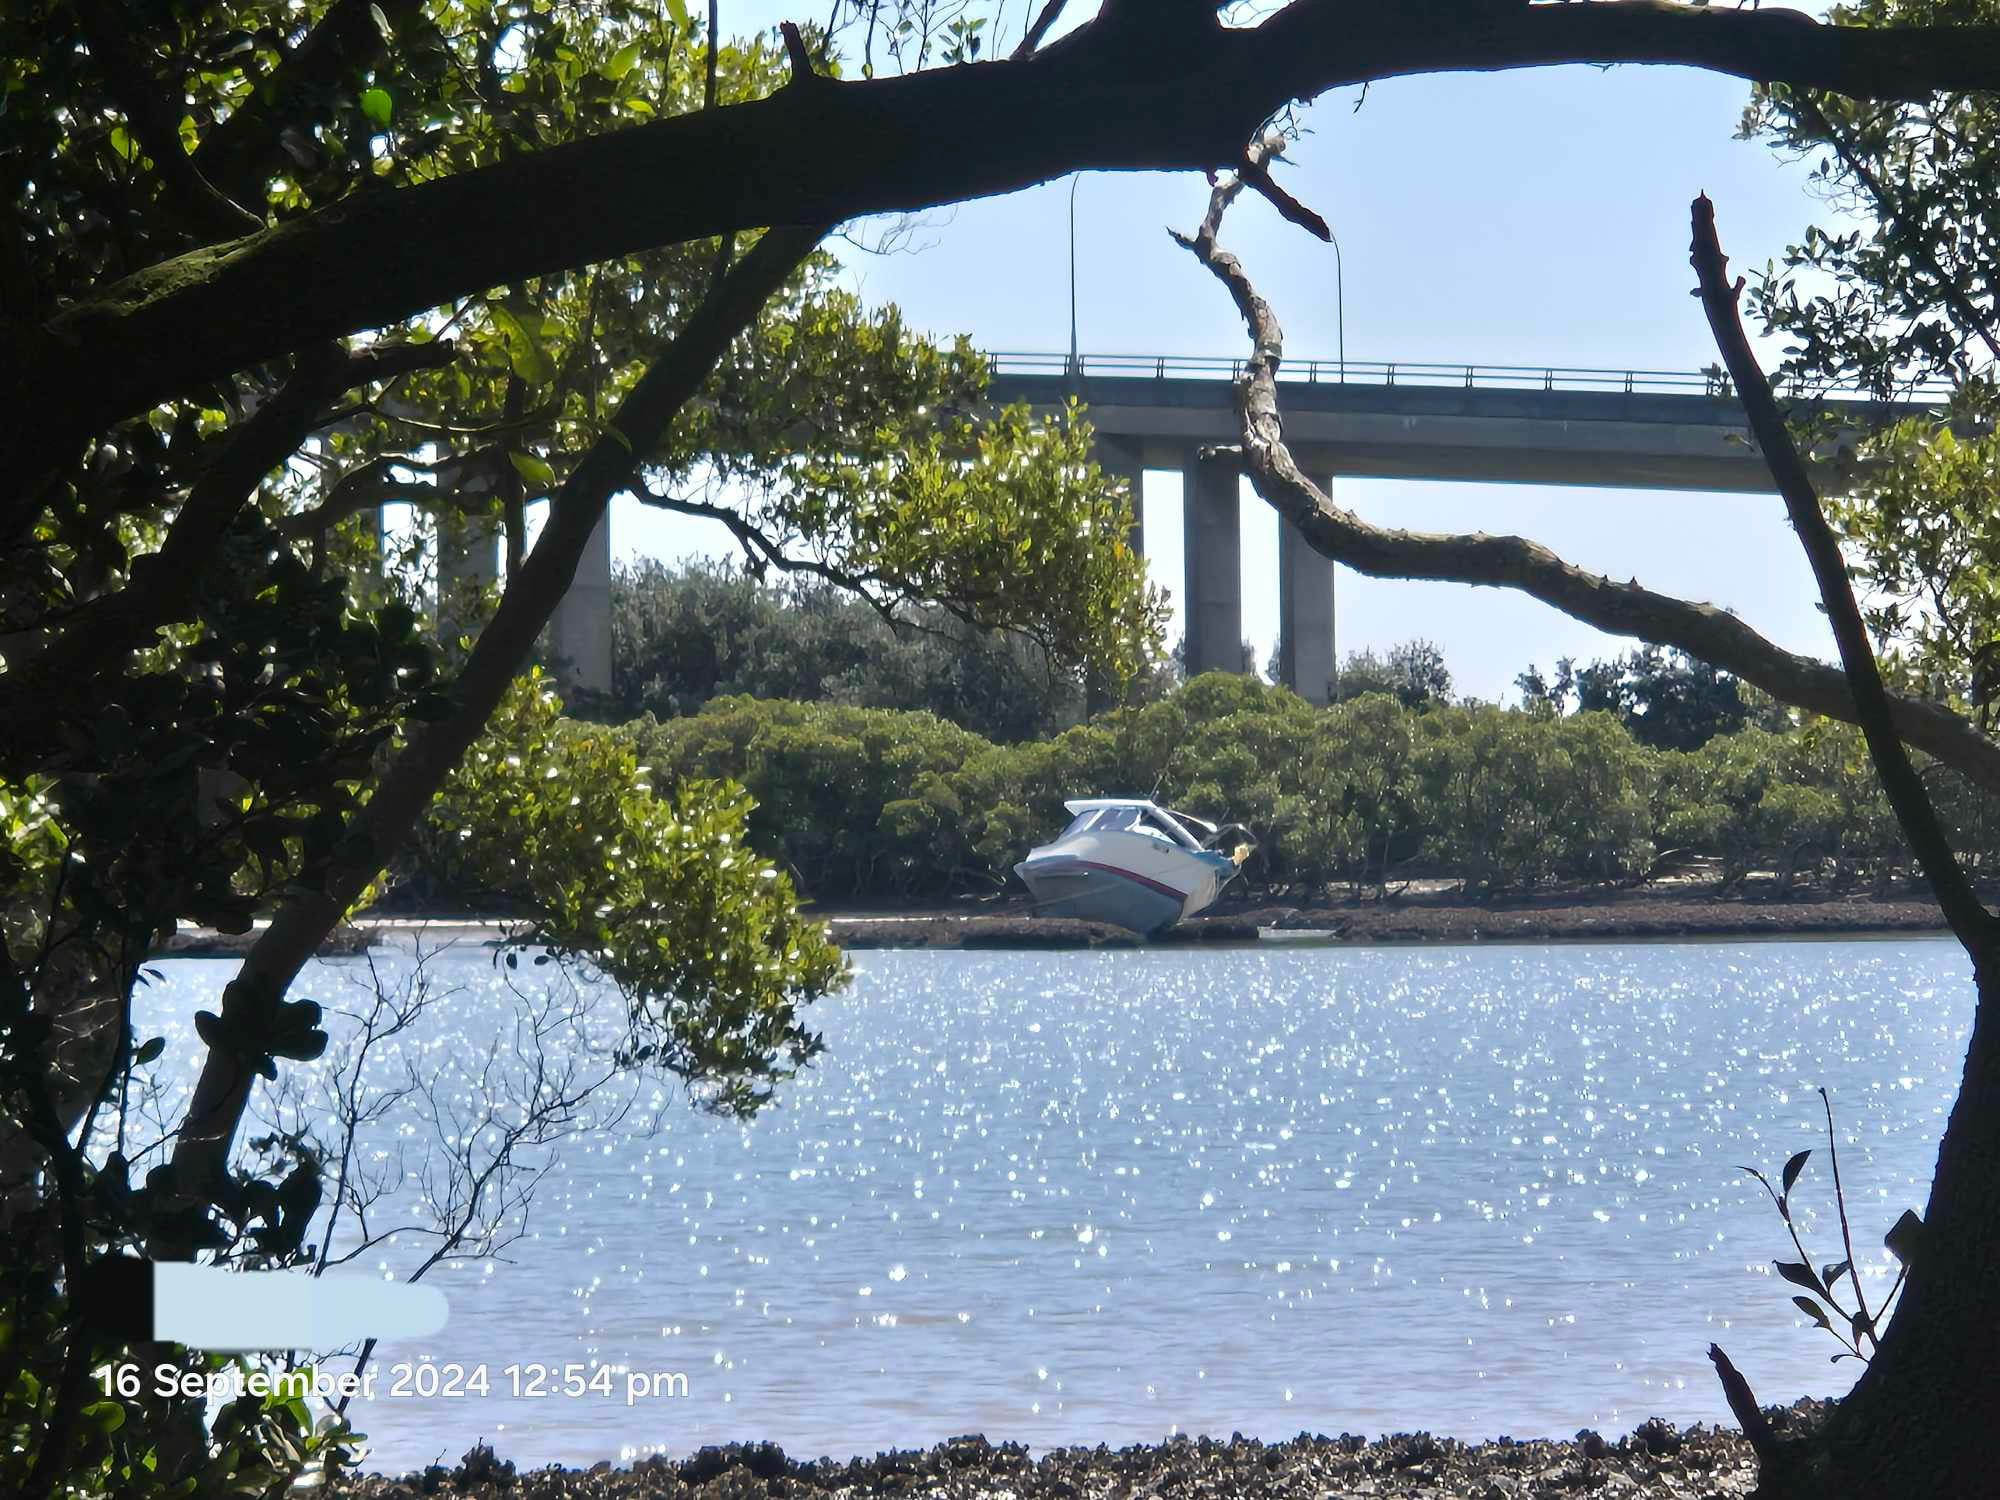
x=1652 y=914
x=1654 y=1460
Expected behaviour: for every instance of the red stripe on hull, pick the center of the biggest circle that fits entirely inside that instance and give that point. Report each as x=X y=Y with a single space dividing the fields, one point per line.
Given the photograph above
x=1151 y=885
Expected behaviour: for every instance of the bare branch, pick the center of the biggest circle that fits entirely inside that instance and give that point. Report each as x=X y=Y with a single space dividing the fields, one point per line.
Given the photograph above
x=1701 y=630
x=1974 y=926
x=1254 y=172
x=803 y=72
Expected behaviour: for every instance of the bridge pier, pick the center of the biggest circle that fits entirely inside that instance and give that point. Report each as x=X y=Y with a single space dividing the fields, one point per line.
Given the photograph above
x=1306 y=659
x=1212 y=553
x=580 y=629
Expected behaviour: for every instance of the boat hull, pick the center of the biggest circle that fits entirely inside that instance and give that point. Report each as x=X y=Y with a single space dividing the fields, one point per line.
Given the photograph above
x=1065 y=886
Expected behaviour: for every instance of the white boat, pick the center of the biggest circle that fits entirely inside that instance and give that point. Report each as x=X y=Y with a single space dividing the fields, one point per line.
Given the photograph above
x=1127 y=861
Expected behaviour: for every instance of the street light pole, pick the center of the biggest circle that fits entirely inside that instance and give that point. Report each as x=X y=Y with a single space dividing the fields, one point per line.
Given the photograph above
x=1075 y=361
x=1339 y=303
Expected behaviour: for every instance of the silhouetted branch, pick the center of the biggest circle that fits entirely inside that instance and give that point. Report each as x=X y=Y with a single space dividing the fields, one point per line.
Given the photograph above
x=1703 y=631
x=1974 y=926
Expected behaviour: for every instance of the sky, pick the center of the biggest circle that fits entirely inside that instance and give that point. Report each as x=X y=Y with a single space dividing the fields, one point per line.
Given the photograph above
x=1527 y=218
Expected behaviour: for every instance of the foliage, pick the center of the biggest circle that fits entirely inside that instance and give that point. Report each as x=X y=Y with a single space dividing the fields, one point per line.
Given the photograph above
x=866 y=805
x=1899 y=288
x=1666 y=699
x=211 y=654
x=1920 y=530
x=1413 y=672
x=1856 y=1329
x=559 y=823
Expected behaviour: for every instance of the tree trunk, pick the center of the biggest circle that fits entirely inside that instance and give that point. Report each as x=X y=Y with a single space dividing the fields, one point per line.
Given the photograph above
x=1916 y=1423
x=1921 y=1419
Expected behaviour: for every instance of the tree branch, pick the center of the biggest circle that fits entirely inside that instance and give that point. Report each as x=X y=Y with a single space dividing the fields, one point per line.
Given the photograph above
x=1701 y=630
x=1889 y=206
x=240 y=153
x=1050 y=13
x=1106 y=98
x=804 y=74
x=1974 y=926
x=415 y=776
x=1743 y=1406
x=165 y=585
x=374 y=483
x=156 y=126
x=1253 y=171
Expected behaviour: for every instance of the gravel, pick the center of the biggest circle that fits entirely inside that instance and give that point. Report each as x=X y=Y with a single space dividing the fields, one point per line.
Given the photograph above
x=1654 y=1460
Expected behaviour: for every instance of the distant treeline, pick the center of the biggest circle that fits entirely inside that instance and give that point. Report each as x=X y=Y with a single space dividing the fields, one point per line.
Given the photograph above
x=879 y=804
x=682 y=636
x=898 y=763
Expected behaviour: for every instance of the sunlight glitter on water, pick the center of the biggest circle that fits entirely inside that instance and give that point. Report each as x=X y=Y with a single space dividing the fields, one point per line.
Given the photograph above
x=1090 y=1197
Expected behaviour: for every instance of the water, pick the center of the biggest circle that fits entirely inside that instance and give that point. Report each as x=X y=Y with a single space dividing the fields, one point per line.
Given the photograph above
x=1109 y=1196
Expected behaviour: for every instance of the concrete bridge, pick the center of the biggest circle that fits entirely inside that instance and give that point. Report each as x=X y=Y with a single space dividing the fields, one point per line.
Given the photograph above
x=1638 y=429
x=1490 y=424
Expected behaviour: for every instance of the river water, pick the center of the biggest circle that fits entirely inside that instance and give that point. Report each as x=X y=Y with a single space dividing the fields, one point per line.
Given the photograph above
x=1072 y=1198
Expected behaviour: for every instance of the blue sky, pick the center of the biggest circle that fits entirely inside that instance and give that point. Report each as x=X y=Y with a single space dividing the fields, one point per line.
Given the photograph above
x=1524 y=218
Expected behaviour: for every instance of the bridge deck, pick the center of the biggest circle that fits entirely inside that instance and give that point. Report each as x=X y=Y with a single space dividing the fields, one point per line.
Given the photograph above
x=1638 y=429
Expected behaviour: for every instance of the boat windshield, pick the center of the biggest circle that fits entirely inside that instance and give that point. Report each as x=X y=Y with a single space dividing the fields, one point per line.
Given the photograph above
x=1124 y=820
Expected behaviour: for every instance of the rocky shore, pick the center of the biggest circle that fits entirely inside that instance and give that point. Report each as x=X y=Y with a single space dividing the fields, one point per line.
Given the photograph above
x=1654 y=1460
x=1647 y=914
x=1574 y=916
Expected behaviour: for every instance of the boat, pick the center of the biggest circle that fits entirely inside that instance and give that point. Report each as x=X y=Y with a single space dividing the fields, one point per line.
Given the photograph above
x=1132 y=863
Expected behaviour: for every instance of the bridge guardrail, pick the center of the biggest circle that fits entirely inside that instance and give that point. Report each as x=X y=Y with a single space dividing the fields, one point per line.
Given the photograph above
x=1713 y=381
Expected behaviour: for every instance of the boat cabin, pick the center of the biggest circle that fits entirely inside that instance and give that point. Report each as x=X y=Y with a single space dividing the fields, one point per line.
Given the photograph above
x=1126 y=815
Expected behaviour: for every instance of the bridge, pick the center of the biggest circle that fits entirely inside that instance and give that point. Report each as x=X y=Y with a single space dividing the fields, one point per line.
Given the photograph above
x=1481 y=423
x=1490 y=424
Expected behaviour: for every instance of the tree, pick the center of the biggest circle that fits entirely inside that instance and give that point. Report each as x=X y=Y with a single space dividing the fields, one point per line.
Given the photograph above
x=684 y=636
x=222 y=702
x=1668 y=699
x=1911 y=1423
x=231 y=229
x=1413 y=673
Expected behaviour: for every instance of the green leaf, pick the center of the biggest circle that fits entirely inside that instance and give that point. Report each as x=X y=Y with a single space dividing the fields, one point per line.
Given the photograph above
x=534 y=470
x=1812 y=1310
x=105 y=1416
x=624 y=60
x=525 y=353
x=679 y=11
x=376 y=104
